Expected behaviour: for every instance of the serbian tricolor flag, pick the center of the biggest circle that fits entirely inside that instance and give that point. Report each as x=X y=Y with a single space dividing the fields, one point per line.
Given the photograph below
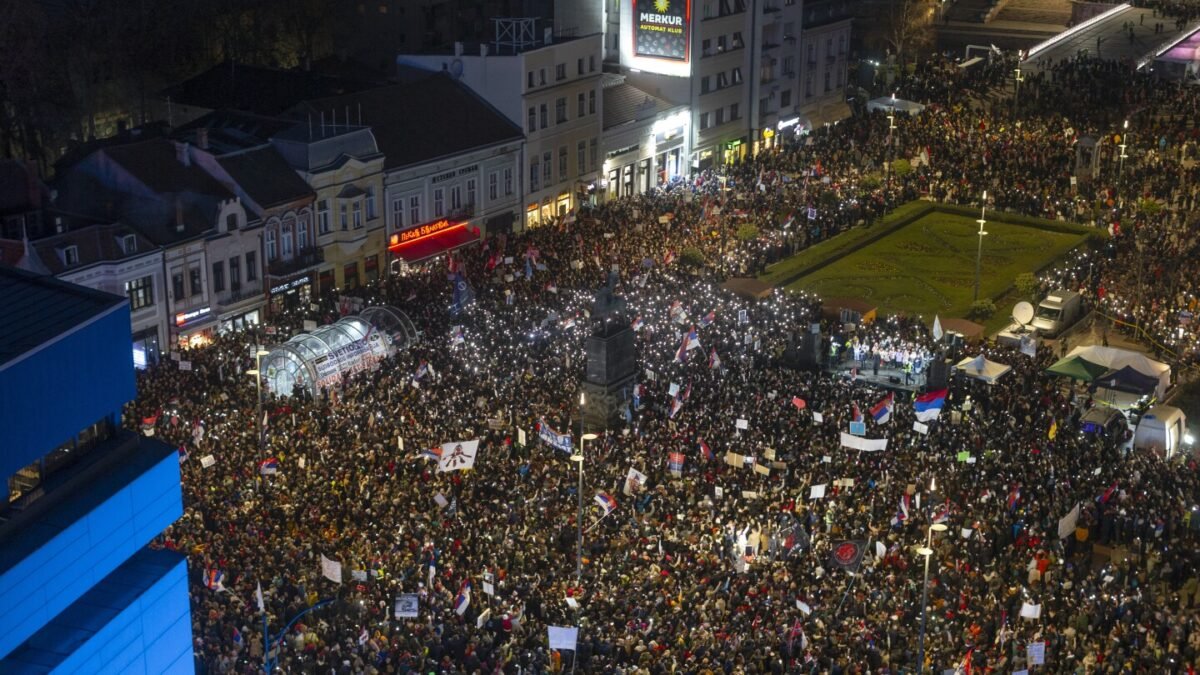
x=929 y=405
x=902 y=511
x=714 y=361
x=707 y=319
x=1107 y=495
x=706 y=451
x=675 y=463
x=268 y=466
x=882 y=412
x=463 y=599
x=637 y=324
x=214 y=579
x=941 y=513
x=1014 y=497
x=606 y=502
x=669 y=258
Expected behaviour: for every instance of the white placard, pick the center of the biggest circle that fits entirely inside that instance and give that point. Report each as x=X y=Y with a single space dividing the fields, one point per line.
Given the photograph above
x=718 y=492
x=207 y=461
x=489 y=588
x=1030 y=611
x=1035 y=653
x=749 y=494
x=864 y=444
x=458 y=456
x=563 y=637
x=1066 y=524
x=966 y=532
x=742 y=424
x=818 y=417
x=331 y=569
x=407 y=605
x=309 y=325
x=673 y=389
x=185 y=365
x=441 y=500
x=520 y=436
x=825 y=459
x=817 y=491
x=920 y=428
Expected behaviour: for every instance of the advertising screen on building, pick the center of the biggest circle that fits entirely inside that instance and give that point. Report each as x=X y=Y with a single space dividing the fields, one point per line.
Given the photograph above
x=661 y=28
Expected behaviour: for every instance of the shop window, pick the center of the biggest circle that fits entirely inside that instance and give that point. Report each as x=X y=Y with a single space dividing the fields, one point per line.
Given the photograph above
x=141 y=292
x=326 y=281
x=531 y=215
x=371 y=268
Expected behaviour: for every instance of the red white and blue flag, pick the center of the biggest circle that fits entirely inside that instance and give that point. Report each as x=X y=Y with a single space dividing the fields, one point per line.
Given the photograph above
x=941 y=513
x=463 y=599
x=902 y=511
x=1014 y=497
x=268 y=466
x=1107 y=494
x=929 y=405
x=707 y=319
x=637 y=324
x=706 y=451
x=431 y=453
x=606 y=502
x=214 y=579
x=675 y=463
x=714 y=361
x=882 y=412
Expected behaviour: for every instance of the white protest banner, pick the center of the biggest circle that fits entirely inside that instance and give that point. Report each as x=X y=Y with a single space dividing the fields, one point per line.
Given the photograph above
x=749 y=494
x=742 y=424
x=572 y=602
x=185 y=365
x=1066 y=524
x=921 y=428
x=301 y=461
x=863 y=444
x=358 y=575
x=207 y=461
x=1022 y=672
x=818 y=418
x=407 y=605
x=1035 y=653
x=521 y=437
x=673 y=389
x=563 y=637
x=483 y=618
x=561 y=442
x=1029 y=611
x=331 y=569
x=825 y=459
x=803 y=607
x=817 y=492
x=634 y=480
x=458 y=456
x=966 y=532
x=718 y=492
x=489 y=588
x=441 y=500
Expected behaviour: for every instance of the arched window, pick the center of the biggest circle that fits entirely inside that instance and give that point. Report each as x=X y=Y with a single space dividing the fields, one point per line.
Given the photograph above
x=287 y=241
x=301 y=235
x=271 y=252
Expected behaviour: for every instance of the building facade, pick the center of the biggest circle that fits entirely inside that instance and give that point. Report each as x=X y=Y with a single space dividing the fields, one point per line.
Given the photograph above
x=825 y=43
x=550 y=88
x=645 y=143
x=82 y=497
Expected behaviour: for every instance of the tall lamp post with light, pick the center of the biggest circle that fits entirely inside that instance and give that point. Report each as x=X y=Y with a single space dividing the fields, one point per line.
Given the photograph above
x=979 y=251
x=926 y=552
x=1121 y=167
x=1018 y=78
x=259 y=352
x=578 y=459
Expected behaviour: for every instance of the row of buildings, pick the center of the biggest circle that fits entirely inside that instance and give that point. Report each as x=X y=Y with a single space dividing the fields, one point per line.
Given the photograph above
x=264 y=188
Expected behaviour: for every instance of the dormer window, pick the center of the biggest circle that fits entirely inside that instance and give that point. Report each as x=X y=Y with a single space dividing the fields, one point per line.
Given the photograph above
x=70 y=255
x=129 y=244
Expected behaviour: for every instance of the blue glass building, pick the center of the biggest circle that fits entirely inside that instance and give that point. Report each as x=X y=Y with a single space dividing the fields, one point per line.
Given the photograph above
x=81 y=498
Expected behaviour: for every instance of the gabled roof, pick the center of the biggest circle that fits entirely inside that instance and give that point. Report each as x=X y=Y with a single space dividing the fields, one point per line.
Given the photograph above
x=264 y=91
x=35 y=309
x=265 y=176
x=157 y=165
x=94 y=244
x=423 y=120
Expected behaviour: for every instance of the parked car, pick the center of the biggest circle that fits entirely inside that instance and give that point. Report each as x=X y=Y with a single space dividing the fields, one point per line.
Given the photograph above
x=1105 y=422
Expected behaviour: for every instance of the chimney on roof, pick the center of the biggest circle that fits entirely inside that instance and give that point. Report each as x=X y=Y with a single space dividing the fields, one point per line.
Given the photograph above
x=548 y=35
x=458 y=49
x=183 y=153
x=202 y=138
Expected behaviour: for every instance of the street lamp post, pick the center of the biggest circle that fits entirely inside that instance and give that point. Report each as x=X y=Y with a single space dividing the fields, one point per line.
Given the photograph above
x=927 y=552
x=1018 y=78
x=1121 y=166
x=257 y=374
x=979 y=251
x=578 y=459
x=887 y=167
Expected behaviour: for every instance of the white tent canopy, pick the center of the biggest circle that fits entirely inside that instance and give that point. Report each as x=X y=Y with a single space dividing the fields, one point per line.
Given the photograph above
x=886 y=103
x=1115 y=359
x=980 y=368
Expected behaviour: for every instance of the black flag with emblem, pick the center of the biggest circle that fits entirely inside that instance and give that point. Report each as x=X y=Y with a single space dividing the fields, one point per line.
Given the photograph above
x=848 y=554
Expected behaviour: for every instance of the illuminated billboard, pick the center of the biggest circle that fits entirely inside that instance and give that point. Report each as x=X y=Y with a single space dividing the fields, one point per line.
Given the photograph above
x=661 y=29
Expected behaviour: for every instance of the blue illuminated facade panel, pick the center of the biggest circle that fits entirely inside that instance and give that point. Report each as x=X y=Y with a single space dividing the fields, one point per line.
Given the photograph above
x=81 y=498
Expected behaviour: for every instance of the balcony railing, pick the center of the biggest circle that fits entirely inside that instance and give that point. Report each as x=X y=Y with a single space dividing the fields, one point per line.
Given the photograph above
x=464 y=211
x=233 y=296
x=309 y=257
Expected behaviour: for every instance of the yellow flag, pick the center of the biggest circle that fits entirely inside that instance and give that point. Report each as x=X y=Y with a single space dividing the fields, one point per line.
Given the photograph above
x=1053 y=429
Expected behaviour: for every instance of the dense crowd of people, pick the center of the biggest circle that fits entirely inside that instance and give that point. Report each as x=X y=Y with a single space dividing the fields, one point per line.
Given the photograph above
x=756 y=541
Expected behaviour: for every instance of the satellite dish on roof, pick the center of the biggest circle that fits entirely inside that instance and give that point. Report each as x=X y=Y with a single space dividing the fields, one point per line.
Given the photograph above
x=456 y=68
x=1022 y=313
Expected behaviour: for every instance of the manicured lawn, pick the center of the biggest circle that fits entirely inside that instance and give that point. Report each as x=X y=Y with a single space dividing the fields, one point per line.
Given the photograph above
x=928 y=266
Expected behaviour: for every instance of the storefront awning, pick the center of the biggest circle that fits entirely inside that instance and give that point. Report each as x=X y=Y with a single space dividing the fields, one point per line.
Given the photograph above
x=416 y=250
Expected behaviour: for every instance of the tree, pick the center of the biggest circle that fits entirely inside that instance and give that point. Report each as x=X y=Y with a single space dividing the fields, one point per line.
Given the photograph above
x=747 y=232
x=1027 y=284
x=981 y=310
x=691 y=257
x=901 y=167
x=906 y=26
